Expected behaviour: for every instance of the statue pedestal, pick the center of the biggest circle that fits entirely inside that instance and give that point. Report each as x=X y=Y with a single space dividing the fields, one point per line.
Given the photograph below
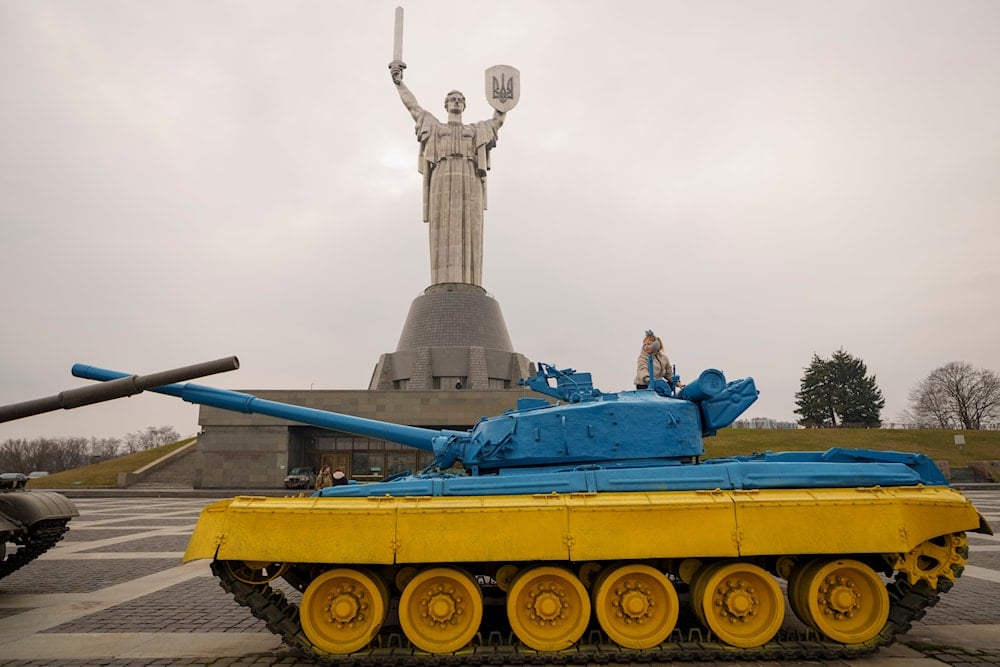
x=454 y=338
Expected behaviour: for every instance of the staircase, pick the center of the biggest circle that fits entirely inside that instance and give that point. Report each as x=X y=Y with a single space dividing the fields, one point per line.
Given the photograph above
x=174 y=471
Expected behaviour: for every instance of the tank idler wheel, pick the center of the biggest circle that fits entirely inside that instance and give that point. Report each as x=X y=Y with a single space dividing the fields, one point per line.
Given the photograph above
x=740 y=602
x=548 y=608
x=255 y=572
x=440 y=609
x=343 y=609
x=846 y=600
x=636 y=605
x=938 y=557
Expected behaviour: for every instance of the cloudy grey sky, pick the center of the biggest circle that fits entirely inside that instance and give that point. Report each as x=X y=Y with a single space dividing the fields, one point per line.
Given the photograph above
x=756 y=181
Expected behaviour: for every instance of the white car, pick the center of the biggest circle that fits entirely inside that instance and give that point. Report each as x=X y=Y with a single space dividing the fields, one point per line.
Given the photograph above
x=300 y=478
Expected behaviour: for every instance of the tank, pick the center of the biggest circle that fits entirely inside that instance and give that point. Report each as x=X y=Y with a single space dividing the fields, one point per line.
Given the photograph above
x=32 y=522
x=589 y=526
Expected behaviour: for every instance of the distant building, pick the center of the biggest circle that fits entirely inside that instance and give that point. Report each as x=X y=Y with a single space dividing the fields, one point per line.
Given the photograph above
x=764 y=423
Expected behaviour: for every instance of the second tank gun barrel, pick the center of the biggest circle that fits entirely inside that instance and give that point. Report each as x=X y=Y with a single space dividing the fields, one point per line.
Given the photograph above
x=120 y=387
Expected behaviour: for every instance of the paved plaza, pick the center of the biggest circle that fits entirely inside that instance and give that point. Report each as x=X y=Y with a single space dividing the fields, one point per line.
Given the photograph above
x=114 y=592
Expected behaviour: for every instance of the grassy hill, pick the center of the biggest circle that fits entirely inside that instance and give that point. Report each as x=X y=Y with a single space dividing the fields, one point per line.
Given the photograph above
x=105 y=473
x=938 y=445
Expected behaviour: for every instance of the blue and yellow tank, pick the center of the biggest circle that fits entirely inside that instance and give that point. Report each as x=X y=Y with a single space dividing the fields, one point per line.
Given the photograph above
x=589 y=526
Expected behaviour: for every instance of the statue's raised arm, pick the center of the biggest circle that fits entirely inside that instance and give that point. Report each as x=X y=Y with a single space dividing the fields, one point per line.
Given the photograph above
x=396 y=68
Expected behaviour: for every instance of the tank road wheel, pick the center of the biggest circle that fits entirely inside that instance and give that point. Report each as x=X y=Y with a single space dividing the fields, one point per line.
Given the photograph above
x=441 y=609
x=636 y=605
x=847 y=600
x=741 y=603
x=548 y=608
x=798 y=589
x=939 y=557
x=342 y=609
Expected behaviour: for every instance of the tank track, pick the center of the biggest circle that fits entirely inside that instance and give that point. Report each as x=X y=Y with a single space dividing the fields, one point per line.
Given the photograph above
x=41 y=537
x=908 y=603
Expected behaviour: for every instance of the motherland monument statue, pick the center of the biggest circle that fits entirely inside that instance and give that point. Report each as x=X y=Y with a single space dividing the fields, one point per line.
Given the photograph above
x=454 y=336
x=454 y=158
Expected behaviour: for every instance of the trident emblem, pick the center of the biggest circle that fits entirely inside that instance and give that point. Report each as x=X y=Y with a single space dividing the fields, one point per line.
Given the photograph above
x=503 y=89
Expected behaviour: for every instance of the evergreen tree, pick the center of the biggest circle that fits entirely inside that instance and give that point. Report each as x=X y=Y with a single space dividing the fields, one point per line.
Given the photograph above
x=815 y=397
x=839 y=392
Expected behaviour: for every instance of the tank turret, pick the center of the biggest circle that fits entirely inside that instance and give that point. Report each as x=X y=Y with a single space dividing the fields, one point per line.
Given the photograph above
x=584 y=427
x=32 y=522
x=587 y=440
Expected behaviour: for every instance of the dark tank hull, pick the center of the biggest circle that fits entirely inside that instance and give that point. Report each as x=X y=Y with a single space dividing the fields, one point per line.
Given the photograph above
x=31 y=523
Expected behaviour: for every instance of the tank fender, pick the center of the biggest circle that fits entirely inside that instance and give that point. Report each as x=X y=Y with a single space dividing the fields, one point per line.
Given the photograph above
x=209 y=533
x=8 y=526
x=31 y=507
x=920 y=463
x=984 y=526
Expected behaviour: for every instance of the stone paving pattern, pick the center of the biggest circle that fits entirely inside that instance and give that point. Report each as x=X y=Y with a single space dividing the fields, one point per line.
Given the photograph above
x=192 y=606
x=116 y=541
x=48 y=576
x=177 y=543
x=75 y=535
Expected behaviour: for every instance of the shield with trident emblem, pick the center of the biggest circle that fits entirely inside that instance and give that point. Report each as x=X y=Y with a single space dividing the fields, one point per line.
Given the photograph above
x=503 y=87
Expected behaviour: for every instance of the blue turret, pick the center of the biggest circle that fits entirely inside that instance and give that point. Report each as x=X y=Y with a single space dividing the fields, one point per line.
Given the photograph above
x=585 y=427
x=587 y=441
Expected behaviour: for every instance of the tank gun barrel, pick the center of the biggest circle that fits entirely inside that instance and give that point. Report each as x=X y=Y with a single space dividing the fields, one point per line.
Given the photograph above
x=124 y=385
x=411 y=436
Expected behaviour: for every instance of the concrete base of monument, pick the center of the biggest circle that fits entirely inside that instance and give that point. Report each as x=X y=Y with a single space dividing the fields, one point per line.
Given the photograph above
x=454 y=338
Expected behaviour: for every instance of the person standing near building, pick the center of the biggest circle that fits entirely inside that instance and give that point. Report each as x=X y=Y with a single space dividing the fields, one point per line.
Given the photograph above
x=324 y=478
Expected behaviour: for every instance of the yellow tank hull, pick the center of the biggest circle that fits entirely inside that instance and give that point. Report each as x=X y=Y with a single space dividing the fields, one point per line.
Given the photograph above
x=859 y=565
x=578 y=527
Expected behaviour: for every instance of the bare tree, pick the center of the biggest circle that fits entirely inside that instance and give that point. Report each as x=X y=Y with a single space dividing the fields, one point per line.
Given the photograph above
x=54 y=454
x=957 y=395
x=153 y=436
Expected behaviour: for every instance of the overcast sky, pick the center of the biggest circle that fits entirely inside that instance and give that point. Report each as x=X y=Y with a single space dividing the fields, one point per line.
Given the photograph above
x=756 y=181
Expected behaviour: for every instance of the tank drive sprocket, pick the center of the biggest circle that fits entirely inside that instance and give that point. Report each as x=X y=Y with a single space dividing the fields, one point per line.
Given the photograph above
x=944 y=556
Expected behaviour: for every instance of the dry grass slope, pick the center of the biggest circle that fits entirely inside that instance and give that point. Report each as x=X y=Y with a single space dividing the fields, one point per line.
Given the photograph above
x=104 y=474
